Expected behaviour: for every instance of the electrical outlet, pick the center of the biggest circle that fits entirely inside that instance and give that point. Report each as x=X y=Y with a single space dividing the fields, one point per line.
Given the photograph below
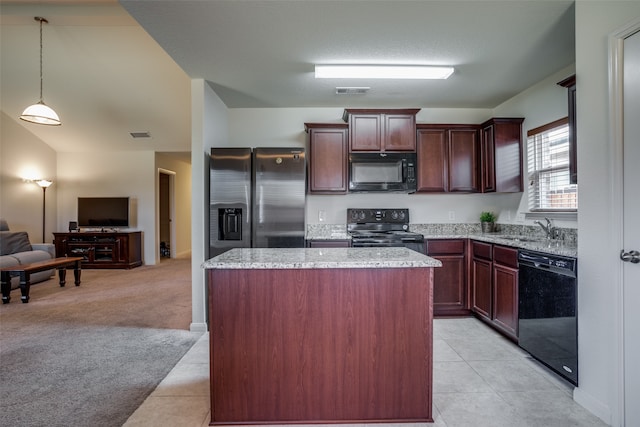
x=452 y=215
x=322 y=215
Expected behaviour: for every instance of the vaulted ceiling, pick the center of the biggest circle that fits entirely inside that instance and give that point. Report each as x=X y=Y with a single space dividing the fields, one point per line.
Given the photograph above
x=114 y=68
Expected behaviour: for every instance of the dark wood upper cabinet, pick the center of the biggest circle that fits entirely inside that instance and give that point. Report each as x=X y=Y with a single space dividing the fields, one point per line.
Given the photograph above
x=570 y=84
x=381 y=130
x=502 y=155
x=447 y=158
x=327 y=158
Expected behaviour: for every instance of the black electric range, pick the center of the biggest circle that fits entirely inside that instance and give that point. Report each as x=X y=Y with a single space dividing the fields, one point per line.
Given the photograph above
x=382 y=228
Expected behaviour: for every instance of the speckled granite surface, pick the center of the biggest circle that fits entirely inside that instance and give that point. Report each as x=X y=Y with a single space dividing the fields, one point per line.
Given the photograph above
x=517 y=236
x=281 y=258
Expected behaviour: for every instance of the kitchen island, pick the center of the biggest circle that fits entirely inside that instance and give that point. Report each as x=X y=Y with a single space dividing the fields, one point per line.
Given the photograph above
x=320 y=335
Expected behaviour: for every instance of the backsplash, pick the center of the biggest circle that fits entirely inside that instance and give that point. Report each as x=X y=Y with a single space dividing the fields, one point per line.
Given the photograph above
x=568 y=236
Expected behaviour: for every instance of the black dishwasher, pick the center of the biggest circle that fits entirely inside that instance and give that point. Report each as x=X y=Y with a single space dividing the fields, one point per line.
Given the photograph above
x=547 y=314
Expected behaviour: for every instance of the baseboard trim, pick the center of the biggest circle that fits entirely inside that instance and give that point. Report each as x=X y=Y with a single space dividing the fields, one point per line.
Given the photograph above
x=198 y=327
x=593 y=405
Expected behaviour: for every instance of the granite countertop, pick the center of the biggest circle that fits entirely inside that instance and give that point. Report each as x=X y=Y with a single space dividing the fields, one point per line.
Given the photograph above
x=555 y=247
x=299 y=258
x=529 y=241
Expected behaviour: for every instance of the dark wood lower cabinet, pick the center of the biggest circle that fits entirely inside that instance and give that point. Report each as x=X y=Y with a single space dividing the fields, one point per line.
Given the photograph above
x=505 y=290
x=320 y=345
x=450 y=290
x=494 y=286
x=482 y=287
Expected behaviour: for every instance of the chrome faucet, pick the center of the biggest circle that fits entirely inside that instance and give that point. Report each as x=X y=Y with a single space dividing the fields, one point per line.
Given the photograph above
x=549 y=229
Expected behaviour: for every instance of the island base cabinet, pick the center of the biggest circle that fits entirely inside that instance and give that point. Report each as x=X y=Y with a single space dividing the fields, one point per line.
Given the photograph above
x=321 y=345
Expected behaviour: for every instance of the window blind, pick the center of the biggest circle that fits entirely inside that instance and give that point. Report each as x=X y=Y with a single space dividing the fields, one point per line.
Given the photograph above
x=548 y=168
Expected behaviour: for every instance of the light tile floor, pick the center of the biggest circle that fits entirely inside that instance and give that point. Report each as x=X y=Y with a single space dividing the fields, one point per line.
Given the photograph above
x=480 y=379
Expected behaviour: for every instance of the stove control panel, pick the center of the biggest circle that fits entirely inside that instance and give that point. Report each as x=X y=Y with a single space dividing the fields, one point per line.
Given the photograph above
x=380 y=216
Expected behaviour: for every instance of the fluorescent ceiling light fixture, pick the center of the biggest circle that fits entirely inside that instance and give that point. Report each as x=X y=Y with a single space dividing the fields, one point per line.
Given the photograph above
x=382 y=72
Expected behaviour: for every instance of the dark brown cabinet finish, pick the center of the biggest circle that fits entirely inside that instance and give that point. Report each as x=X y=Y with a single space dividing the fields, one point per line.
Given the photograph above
x=495 y=286
x=447 y=158
x=570 y=84
x=320 y=345
x=481 y=266
x=327 y=158
x=101 y=250
x=501 y=155
x=505 y=290
x=381 y=130
x=329 y=243
x=450 y=281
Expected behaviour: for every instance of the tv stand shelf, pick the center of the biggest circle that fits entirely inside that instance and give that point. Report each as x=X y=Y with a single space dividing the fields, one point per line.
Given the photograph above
x=101 y=249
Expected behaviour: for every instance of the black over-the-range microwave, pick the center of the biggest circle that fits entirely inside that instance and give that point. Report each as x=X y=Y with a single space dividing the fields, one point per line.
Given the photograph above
x=391 y=172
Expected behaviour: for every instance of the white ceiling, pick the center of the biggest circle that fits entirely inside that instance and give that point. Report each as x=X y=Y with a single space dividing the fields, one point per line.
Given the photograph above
x=111 y=71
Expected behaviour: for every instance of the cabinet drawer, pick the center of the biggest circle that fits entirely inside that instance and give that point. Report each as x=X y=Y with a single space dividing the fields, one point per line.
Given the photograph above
x=482 y=250
x=442 y=247
x=505 y=256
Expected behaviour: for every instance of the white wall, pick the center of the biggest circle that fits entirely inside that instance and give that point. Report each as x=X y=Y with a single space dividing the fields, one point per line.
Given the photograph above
x=209 y=128
x=280 y=127
x=598 y=254
x=111 y=174
x=23 y=156
x=181 y=218
x=540 y=104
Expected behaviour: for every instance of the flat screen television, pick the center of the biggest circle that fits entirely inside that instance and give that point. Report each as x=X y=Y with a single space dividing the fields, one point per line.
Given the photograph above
x=103 y=211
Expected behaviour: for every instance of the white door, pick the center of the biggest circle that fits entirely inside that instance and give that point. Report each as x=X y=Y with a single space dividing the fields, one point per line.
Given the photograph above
x=631 y=224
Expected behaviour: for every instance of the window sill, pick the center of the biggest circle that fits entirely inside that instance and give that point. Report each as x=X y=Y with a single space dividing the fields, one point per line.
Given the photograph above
x=561 y=216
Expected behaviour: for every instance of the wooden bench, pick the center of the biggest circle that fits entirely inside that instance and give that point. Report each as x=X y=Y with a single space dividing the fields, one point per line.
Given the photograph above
x=25 y=271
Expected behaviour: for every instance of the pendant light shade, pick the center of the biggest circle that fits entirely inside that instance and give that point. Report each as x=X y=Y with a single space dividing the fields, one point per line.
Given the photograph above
x=40 y=113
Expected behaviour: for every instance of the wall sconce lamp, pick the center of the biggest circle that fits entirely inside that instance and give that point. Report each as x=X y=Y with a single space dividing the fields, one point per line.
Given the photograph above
x=44 y=184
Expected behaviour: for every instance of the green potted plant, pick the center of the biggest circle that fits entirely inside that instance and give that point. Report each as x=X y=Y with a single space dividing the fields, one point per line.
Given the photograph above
x=488 y=222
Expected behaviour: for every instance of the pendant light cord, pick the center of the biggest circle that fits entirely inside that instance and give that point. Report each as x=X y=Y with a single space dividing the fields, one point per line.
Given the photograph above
x=41 y=21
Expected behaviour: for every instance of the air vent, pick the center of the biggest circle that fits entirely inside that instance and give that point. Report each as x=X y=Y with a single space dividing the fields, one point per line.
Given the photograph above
x=352 y=90
x=140 y=134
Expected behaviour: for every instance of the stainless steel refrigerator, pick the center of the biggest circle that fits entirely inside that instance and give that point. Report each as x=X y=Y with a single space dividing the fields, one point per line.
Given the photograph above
x=256 y=198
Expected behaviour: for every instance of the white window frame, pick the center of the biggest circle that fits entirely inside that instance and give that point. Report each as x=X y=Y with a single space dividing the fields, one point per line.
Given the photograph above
x=542 y=163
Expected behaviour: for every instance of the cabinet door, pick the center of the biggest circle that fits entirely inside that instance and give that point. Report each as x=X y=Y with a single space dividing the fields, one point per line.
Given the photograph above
x=488 y=161
x=481 y=289
x=505 y=297
x=463 y=160
x=432 y=160
x=328 y=161
x=449 y=284
x=449 y=294
x=502 y=155
x=365 y=132
x=399 y=132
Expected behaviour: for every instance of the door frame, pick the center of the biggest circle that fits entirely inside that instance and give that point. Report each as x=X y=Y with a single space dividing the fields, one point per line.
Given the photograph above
x=172 y=212
x=616 y=126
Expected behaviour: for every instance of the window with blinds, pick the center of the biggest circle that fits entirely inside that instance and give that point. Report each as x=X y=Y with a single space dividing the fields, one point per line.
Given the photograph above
x=548 y=168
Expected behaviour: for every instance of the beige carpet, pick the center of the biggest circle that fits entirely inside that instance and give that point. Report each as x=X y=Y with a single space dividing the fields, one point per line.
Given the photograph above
x=90 y=355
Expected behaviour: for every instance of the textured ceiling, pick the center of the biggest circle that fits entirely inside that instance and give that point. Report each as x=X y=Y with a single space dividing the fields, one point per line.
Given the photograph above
x=111 y=68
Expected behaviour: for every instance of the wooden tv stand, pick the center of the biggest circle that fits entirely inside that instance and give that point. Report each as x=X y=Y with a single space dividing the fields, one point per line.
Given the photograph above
x=101 y=249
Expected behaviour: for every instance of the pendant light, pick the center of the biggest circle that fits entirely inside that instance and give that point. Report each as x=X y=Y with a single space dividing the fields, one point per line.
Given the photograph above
x=40 y=113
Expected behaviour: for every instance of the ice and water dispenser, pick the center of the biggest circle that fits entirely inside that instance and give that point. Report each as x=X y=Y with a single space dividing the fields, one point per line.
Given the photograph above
x=229 y=224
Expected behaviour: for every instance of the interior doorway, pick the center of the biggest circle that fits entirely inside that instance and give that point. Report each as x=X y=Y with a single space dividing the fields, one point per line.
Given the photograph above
x=166 y=209
x=625 y=70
